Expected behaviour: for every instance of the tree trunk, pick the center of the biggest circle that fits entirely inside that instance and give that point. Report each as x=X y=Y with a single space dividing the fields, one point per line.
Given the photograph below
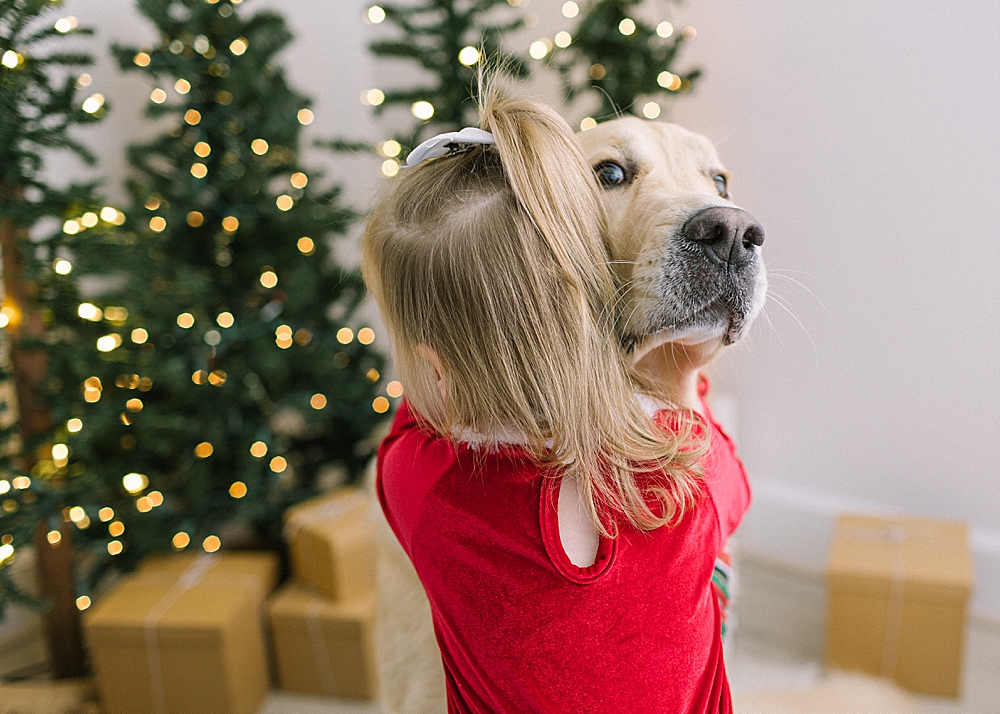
x=55 y=562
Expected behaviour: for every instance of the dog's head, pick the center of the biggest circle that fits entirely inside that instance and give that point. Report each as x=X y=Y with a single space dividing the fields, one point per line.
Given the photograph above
x=688 y=258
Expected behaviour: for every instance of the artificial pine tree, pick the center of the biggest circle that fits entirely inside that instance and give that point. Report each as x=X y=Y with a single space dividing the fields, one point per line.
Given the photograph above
x=618 y=57
x=40 y=101
x=447 y=39
x=230 y=384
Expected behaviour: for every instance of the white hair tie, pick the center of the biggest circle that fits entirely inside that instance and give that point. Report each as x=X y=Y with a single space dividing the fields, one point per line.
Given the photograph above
x=444 y=144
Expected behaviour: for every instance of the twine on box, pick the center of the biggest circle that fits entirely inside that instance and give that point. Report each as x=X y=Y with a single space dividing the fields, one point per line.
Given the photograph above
x=192 y=575
x=337 y=507
x=893 y=535
x=317 y=642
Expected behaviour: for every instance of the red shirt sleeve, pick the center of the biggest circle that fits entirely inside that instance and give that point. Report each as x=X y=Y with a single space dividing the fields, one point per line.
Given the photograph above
x=725 y=476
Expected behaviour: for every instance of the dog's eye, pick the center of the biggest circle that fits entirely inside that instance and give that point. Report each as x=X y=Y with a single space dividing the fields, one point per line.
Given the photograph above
x=610 y=173
x=721 y=186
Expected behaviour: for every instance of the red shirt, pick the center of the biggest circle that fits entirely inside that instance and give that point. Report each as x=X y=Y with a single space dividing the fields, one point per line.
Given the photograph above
x=521 y=629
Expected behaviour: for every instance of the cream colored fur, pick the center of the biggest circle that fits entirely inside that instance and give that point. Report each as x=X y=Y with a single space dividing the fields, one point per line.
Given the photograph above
x=644 y=215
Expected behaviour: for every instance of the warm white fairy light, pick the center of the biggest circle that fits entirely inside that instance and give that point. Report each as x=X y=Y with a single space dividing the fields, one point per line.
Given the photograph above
x=62 y=266
x=651 y=110
x=65 y=24
x=587 y=123
x=372 y=97
x=239 y=46
x=182 y=86
x=664 y=29
x=305 y=117
x=11 y=59
x=375 y=14
x=93 y=103
x=626 y=26
x=135 y=482
x=563 y=39
x=158 y=96
x=468 y=55
x=570 y=9
x=538 y=49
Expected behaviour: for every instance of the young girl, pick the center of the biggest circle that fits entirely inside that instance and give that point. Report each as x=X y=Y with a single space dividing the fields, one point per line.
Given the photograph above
x=565 y=539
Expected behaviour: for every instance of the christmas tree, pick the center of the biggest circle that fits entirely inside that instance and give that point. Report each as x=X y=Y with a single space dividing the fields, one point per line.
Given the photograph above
x=447 y=40
x=42 y=97
x=231 y=384
x=616 y=56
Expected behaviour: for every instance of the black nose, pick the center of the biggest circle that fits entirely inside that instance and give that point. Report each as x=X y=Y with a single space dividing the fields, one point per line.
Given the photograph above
x=727 y=235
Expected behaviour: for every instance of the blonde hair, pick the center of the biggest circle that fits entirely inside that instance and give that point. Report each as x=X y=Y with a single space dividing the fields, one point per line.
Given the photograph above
x=495 y=258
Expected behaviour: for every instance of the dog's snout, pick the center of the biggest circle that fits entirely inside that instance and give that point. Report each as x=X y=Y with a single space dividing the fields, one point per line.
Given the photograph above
x=727 y=235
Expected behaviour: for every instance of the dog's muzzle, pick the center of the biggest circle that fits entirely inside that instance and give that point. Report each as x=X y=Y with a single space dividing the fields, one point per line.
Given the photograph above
x=728 y=236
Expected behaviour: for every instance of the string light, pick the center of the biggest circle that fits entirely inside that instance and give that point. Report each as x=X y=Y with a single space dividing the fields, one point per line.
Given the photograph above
x=284 y=202
x=202 y=45
x=597 y=71
x=11 y=59
x=106 y=514
x=305 y=245
x=390 y=148
x=668 y=80
x=108 y=343
x=422 y=110
x=109 y=214
x=141 y=59
x=71 y=227
x=200 y=377
x=373 y=375
x=199 y=170
x=6 y=551
x=84 y=80
x=390 y=167
x=92 y=389
x=89 y=219
x=626 y=26
x=269 y=279
x=192 y=116
x=180 y=541
x=588 y=123
x=305 y=117
x=211 y=544
x=563 y=39
x=217 y=377
x=158 y=96
x=230 y=224
x=238 y=489
x=373 y=97
x=93 y=103
x=258 y=449
x=317 y=401
x=116 y=529
x=224 y=97
x=570 y=9
x=157 y=224
x=152 y=203
x=139 y=336
x=394 y=389
x=185 y=320
x=74 y=425
x=155 y=498
x=195 y=219
x=689 y=33
x=375 y=14
x=538 y=49
x=239 y=46
x=204 y=450
x=182 y=86
x=202 y=149
x=77 y=514
x=21 y=482
x=82 y=602
x=303 y=336
x=651 y=110
x=664 y=29
x=225 y=319
x=380 y=405
x=115 y=547
x=366 y=335
x=468 y=55
x=278 y=464
x=62 y=266
x=134 y=405
x=345 y=335
x=53 y=537
x=135 y=482
x=60 y=456
x=259 y=147
x=298 y=180
x=176 y=47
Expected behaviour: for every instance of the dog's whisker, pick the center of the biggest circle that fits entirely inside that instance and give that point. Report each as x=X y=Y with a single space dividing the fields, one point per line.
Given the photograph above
x=780 y=302
x=774 y=274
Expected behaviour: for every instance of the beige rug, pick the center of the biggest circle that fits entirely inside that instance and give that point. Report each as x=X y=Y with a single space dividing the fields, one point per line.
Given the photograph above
x=836 y=694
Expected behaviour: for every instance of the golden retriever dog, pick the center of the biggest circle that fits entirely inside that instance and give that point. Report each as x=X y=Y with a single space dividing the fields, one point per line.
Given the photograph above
x=692 y=280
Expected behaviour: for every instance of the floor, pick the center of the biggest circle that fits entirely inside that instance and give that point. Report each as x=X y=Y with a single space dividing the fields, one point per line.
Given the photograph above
x=768 y=680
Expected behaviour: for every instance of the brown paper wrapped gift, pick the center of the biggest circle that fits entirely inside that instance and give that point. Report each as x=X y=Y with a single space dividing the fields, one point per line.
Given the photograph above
x=899 y=589
x=323 y=646
x=331 y=543
x=262 y=565
x=188 y=642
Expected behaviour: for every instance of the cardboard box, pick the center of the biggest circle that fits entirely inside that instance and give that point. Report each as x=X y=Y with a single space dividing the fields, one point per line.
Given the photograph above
x=323 y=646
x=331 y=543
x=898 y=594
x=185 y=641
x=259 y=564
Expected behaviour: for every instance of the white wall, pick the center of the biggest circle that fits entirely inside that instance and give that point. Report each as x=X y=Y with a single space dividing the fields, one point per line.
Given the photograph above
x=864 y=136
